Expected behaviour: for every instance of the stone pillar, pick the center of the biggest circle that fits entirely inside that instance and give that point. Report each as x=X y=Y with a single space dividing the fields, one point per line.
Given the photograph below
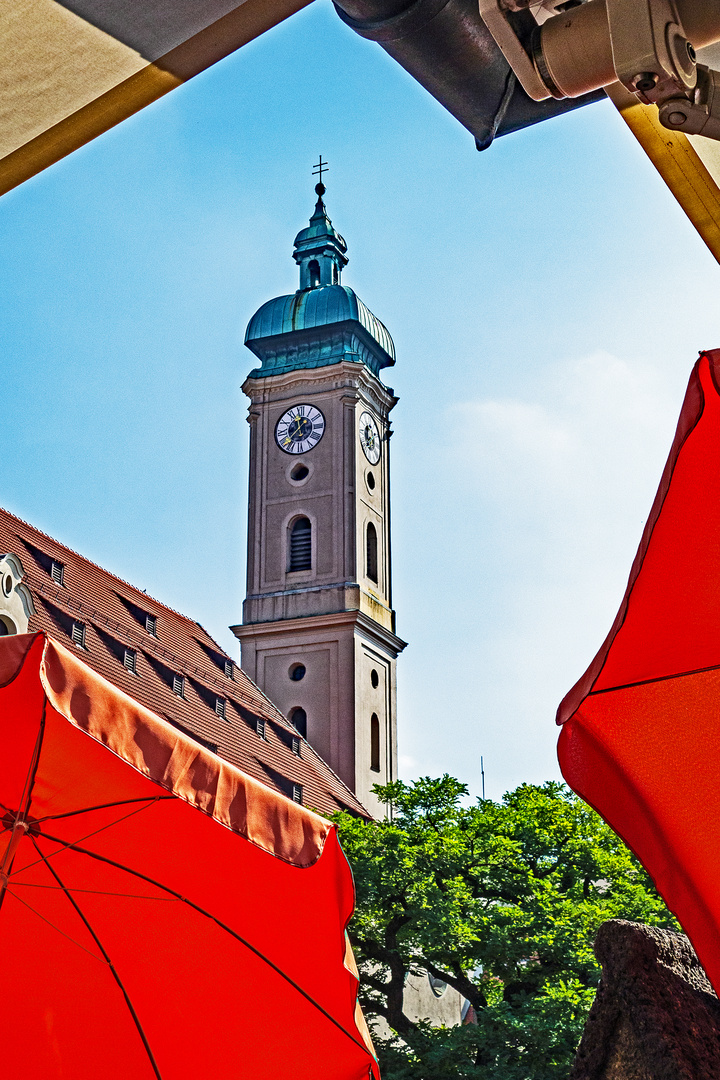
x=656 y=1016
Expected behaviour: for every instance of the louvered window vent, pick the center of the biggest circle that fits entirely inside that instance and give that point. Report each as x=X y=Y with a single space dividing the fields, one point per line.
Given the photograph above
x=300 y=545
x=297 y=793
x=179 y=685
x=130 y=660
x=371 y=553
x=78 y=634
x=220 y=706
x=57 y=572
x=151 y=624
x=296 y=746
x=229 y=666
x=260 y=728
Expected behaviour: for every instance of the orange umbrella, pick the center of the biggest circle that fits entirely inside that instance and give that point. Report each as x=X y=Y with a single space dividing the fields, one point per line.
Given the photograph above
x=162 y=914
x=641 y=735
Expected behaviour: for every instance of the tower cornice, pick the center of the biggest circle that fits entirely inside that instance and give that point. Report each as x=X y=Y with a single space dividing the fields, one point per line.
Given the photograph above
x=345 y=375
x=357 y=620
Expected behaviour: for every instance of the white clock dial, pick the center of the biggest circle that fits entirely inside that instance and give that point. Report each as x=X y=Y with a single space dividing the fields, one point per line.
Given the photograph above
x=370 y=437
x=300 y=429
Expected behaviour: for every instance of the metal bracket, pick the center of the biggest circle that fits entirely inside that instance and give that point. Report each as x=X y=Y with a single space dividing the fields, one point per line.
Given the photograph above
x=701 y=115
x=651 y=56
x=495 y=17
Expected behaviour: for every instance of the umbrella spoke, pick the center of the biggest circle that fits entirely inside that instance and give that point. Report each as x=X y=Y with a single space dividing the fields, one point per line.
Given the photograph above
x=20 y=900
x=116 y=976
x=92 y=892
x=101 y=806
x=91 y=834
x=207 y=915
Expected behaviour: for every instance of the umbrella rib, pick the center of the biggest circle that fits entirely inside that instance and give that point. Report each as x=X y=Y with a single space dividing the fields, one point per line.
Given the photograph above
x=109 y=962
x=20 y=821
x=212 y=918
x=655 y=679
x=35 y=761
x=102 y=806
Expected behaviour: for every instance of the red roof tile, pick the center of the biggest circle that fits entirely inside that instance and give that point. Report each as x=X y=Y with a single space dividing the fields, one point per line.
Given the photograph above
x=114 y=615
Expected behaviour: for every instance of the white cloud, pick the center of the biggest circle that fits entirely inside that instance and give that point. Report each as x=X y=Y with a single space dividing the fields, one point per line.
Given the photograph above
x=544 y=496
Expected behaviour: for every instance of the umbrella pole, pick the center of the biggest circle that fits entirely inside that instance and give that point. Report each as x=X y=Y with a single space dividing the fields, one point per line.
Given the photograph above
x=19 y=829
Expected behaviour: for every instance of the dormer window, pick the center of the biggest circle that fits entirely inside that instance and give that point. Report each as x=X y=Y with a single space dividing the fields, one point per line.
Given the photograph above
x=130 y=661
x=57 y=572
x=179 y=685
x=151 y=624
x=78 y=634
x=220 y=706
x=229 y=669
x=297 y=793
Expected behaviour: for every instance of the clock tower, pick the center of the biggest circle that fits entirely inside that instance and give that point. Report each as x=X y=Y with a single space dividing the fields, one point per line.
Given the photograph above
x=318 y=631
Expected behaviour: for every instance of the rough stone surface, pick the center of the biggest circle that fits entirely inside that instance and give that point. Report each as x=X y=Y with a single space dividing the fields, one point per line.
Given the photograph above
x=656 y=1016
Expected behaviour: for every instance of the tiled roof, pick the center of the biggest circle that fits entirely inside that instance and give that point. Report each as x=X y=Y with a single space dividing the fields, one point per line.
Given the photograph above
x=115 y=617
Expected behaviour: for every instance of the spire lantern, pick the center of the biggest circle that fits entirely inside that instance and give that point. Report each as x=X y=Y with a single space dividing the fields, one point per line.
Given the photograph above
x=319 y=250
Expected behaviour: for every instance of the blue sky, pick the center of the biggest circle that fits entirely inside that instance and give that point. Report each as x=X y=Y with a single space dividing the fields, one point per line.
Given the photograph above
x=547 y=299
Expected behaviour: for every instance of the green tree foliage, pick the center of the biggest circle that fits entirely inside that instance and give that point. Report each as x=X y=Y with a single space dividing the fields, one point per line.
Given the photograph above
x=502 y=902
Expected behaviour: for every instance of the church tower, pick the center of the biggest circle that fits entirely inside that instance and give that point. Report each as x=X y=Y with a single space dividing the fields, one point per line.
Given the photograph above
x=318 y=631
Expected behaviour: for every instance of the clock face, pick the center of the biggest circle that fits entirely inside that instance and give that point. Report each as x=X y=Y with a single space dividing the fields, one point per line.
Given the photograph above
x=370 y=437
x=300 y=429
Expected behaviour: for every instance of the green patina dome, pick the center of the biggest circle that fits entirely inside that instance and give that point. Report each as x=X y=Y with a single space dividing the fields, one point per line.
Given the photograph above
x=324 y=322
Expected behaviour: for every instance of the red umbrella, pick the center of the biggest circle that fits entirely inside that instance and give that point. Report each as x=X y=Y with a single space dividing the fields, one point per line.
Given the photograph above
x=162 y=914
x=641 y=735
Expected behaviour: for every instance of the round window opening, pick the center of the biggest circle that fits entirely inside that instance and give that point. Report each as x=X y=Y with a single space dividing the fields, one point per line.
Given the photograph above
x=374 y=678
x=7 y=584
x=299 y=472
x=370 y=480
x=297 y=672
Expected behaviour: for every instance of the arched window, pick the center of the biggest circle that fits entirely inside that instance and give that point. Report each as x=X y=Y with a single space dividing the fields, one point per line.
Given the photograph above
x=374 y=743
x=298 y=717
x=335 y=275
x=3 y=629
x=314 y=271
x=300 y=545
x=371 y=559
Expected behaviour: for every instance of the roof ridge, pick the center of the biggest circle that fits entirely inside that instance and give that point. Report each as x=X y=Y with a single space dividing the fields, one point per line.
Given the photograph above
x=97 y=566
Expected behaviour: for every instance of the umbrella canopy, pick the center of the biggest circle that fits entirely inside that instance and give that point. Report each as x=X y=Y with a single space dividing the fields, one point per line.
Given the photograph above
x=641 y=734
x=162 y=914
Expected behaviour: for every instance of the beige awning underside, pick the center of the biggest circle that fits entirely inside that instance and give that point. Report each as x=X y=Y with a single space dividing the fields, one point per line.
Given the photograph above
x=72 y=70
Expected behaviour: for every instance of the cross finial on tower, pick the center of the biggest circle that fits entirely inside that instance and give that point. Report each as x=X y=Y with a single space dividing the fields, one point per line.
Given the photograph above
x=318 y=170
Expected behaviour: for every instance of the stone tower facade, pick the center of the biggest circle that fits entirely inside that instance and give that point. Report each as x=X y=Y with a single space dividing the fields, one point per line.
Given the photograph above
x=318 y=631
